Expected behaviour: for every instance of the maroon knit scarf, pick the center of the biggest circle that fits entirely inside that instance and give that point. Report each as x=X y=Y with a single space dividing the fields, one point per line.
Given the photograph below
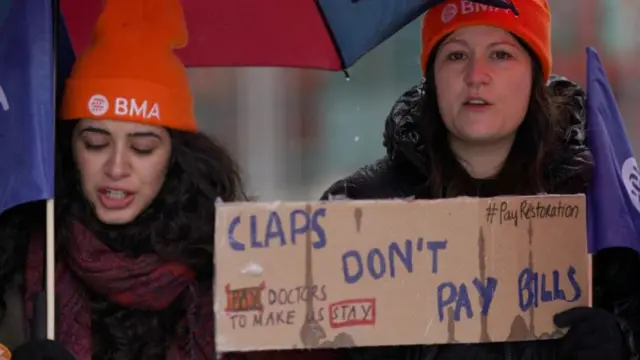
x=143 y=283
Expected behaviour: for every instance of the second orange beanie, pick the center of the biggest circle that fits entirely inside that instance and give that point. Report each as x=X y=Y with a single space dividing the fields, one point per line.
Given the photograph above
x=533 y=25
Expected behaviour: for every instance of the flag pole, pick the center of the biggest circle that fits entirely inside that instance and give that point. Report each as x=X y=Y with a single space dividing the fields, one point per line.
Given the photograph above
x=43 y=325
x=50 y=272
x=50 y=269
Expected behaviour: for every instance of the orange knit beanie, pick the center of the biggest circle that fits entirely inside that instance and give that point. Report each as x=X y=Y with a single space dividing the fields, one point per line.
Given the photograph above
x=130 y=72
x=533 y=25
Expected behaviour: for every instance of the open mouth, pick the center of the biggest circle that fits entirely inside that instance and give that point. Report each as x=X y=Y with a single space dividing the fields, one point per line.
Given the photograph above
x=115 y=199
x=476 y=102
x=115 y=194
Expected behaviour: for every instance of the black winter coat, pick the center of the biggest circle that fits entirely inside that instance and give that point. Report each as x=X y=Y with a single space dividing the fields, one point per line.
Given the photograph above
x=402 y=173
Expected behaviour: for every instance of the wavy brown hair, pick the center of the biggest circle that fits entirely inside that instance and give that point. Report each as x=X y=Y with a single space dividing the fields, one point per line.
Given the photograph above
x=16 y=226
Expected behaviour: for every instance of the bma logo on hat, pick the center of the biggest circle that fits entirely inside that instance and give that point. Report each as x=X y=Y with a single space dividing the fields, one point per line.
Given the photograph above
x=466 y=7
x=98 y=105
x=449 y=12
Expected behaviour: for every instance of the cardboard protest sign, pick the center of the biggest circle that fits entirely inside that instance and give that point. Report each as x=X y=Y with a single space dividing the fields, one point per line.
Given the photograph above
x=367 y=273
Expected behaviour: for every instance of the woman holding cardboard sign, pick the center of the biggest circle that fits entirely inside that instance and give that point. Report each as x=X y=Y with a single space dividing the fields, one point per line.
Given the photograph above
x=485 y=122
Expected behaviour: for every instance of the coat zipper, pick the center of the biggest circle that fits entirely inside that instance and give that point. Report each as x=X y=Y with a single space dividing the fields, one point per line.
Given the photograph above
x=508 y=352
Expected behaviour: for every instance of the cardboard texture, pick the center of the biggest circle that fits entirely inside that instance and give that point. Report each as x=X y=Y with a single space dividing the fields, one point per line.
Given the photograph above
x=366 y=273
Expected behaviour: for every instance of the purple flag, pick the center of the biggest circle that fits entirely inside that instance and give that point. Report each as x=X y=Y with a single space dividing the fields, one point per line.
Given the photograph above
x=27 y=99
x=613 y=198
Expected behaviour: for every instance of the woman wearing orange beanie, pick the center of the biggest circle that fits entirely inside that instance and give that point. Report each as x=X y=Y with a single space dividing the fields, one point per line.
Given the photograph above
x=136 y=189
x=488 y=120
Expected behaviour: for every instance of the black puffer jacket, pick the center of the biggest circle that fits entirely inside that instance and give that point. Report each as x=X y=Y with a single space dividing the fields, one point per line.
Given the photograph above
x=402 y=173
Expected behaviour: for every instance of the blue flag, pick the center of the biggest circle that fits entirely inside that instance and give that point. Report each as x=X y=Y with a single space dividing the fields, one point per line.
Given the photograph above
x=613 y=198
x=27 y=100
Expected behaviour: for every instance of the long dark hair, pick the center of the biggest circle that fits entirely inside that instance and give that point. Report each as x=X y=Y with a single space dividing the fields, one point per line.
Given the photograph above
x=538 y=140
x=178 y=225
x=16 y=227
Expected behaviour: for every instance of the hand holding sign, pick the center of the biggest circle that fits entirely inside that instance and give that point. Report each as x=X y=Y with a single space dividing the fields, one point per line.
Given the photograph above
x=594 y=334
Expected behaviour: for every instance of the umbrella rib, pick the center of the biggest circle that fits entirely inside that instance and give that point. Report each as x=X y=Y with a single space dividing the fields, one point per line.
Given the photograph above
x=332 y=35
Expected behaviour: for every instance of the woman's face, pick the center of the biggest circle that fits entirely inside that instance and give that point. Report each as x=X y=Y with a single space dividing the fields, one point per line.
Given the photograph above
x=483 y=81
x=122 y=166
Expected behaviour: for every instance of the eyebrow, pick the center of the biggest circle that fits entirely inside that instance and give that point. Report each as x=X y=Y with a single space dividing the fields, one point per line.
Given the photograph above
x=137 y=134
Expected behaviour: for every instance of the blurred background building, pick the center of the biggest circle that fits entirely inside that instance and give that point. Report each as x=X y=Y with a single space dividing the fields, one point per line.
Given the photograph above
x=296 y=131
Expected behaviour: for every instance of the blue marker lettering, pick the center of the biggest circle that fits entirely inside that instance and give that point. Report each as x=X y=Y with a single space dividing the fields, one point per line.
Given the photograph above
x=406 y=258
x=571 y=274
x=534 y=287
x=434 y=246
x=558 y=293
x=527 y=284
x=350 y=278
x=486 y=292
x=301 y=223
x=299 y=226
x=378 y=262
x=253 y=232
x=274 y=229
x=444 y=302
x=545 y=294
x=318 y=229
x=463 y=302
x=235 y=244
x=374 y=254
